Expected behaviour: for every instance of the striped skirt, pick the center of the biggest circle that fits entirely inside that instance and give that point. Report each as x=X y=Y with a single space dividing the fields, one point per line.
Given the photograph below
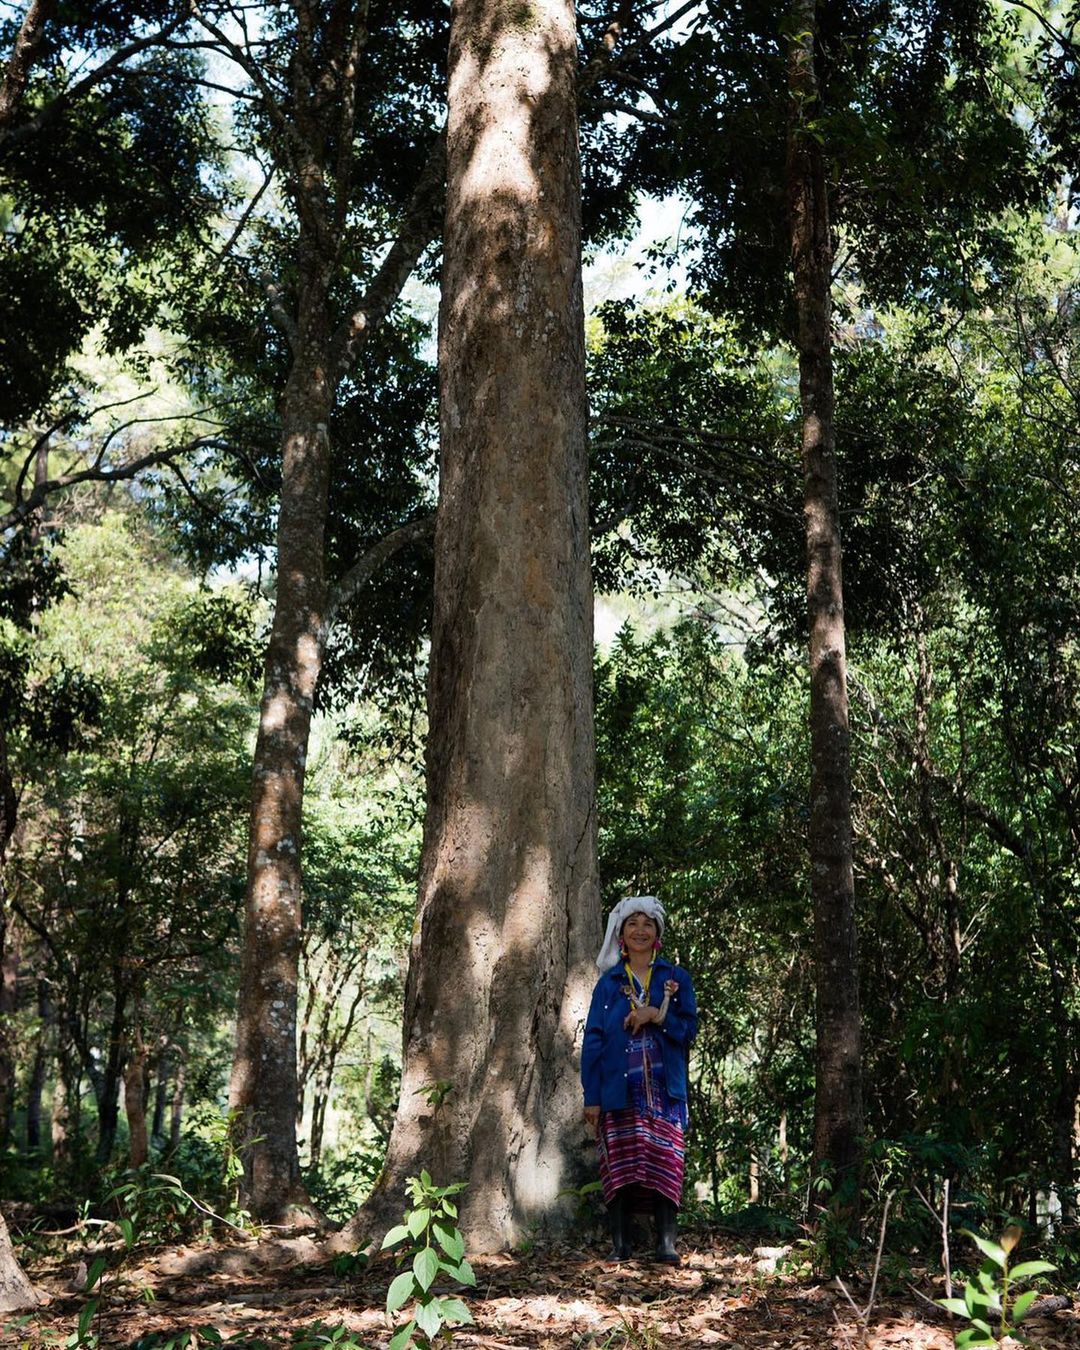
x=643 y=1146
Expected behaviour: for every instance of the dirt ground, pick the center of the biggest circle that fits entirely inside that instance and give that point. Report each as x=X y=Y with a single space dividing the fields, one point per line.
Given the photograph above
x=549 y=1298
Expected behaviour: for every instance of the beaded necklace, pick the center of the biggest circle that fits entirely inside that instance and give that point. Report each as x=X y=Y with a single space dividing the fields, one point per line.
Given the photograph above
x=640 y=1001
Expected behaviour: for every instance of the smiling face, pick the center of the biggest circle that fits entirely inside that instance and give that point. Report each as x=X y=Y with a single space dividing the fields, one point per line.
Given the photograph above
x=639 y=933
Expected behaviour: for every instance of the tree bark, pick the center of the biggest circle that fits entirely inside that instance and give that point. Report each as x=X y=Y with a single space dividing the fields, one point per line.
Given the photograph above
x=40 y=1070
x=64 y=1095
x=161 y=1097
x=135 y=1103
x=16 y=1292
x=107 y=1084
x=263 y=1087
x=9 y=807
x=508 y=920
x=10 y=955
x=31 y=31
x=838 y=1097
x=176 y=1108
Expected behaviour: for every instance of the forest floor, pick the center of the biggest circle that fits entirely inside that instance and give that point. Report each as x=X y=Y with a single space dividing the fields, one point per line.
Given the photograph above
x=547 y=1299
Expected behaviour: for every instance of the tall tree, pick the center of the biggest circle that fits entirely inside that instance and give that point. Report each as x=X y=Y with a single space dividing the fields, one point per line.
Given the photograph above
x=312 y=123
x=838 y=1102
x=508 y=919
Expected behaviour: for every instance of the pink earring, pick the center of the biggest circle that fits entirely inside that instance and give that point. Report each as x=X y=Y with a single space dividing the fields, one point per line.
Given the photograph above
x=656 y=945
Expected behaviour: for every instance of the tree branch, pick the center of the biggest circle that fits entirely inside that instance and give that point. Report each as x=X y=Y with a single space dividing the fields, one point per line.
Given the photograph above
x=22 y=57
x=422 y=224
x=13 y=135
x=121 y=473
x=365 y=568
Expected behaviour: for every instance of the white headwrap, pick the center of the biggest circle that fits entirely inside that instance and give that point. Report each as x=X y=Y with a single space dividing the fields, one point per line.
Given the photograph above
x=633 y=904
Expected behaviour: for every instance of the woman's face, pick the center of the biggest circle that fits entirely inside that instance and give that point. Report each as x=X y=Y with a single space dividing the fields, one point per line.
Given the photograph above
x=640 y=932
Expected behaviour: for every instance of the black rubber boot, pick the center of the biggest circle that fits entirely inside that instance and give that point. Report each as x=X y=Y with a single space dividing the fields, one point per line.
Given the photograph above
x=618 y=1222
x=665 y=1214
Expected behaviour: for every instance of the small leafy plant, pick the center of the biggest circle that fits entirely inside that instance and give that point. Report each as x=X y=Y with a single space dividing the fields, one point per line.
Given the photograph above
x=429 y=1241
x=988 y=1297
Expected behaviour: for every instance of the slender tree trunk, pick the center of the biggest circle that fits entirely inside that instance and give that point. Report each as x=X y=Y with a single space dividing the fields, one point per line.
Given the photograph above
x=41 y=1066
x=500 y=967
x=107 y=1086
x=319 y=1101
x=838 y=1100
x=161 y=1098
x=16 y=1292
x=9 y=806
x=10 y=955
x=317 y=120
x=176 y=1107
x=263 y=1086
x=60 y=1118
x=135 y=1102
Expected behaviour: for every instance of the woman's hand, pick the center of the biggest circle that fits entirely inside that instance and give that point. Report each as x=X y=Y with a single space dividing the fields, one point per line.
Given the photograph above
x=637 y=1017
x=592 y=1118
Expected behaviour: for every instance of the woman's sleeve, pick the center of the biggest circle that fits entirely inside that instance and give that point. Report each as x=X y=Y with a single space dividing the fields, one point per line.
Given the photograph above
x=680 y=1024
x=592 y=1051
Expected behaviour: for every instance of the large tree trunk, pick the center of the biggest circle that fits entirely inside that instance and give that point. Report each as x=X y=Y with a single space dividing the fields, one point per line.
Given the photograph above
x=263 y=1087
x=838 y=1099
x=500 y=967
x=16 y=1292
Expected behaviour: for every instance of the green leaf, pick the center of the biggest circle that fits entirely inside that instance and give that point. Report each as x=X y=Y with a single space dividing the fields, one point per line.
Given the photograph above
x=127 y=1231
x=988 y=1248
x=953 y=1305
x=429 y=1317
x=425 y=1180
x=426 y=1267
x=450 y=1208
x=418 y=1221
x=96 y=1271
x=394 y=1235
x=402 y=1337
x=455 y=1311
x=970 y=1339
x=1026 y=1269
x=449 y=1239
x=460 y=1271
x=401 y=1290
x=1022 y=1304
x=86 y=1316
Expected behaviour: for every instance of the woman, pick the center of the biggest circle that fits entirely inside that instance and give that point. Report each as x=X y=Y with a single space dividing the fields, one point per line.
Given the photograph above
x=633 y=1070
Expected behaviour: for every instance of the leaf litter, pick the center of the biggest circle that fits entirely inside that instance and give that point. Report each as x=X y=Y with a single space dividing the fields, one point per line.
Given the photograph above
x=554 y=1297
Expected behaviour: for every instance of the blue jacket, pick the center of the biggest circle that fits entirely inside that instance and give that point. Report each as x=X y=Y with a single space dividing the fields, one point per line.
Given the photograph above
x=603 y=1053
